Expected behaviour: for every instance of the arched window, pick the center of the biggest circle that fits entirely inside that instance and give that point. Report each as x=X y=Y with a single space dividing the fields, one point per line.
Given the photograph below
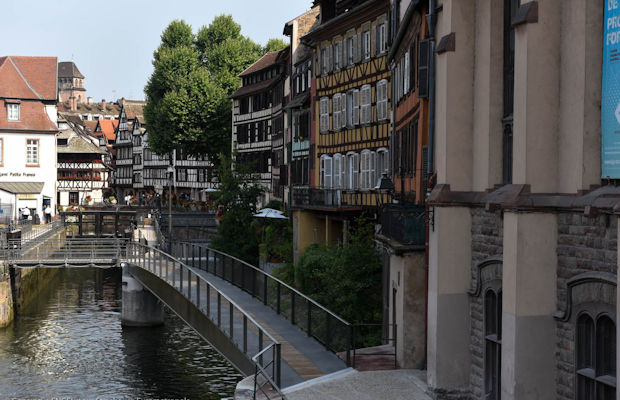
x=596 y=358
x=352 y=171
x=493 y=344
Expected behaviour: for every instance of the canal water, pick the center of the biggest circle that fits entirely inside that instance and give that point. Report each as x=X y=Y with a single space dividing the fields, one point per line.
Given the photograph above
x=70 y=344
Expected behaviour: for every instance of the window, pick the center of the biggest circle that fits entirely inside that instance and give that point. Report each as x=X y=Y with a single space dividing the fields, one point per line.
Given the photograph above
x=337 y=114
x=182 y=175
x=382 y=100
x=596 y=357
x=366 y=45
x=382 y=37
x=368 y=167
x=352 y=170
x=493 y=343
x=406 y=74
x=366 y=111
x=338 y=55
x=383 y=162
x=326 y=172
x=12 y=112
x=337 y=171
x=324 y=114
x=324 y=60
x=32 y=151
x=351 y=49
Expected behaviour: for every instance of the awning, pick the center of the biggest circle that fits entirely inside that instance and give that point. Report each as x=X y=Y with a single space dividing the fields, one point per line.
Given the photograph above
x=298 y=101
x=22 y=187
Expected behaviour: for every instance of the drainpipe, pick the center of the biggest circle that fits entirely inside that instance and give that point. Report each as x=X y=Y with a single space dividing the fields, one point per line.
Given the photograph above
x=431 y=20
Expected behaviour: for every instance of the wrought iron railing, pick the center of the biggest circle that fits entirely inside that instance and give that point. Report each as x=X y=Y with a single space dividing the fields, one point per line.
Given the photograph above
x=326 y=327
x=305 y=196
x=404 y=224
x=222 y=310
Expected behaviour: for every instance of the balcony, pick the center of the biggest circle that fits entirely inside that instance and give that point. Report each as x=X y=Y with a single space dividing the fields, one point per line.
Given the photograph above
x=404 y=224
x=338 y=198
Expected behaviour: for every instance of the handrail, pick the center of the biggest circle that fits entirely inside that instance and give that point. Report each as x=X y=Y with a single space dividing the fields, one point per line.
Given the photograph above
x=325 y=337
x=159 y=254
x=297 y=292
x=258 y=368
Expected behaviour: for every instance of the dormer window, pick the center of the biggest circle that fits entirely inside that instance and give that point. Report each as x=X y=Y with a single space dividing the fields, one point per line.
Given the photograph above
x=12 y=111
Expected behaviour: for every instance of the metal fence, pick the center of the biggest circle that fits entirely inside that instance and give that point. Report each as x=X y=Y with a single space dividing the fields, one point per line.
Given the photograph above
x=405 y=224
x=327 y=328
x=55 y=252
x=253 y=339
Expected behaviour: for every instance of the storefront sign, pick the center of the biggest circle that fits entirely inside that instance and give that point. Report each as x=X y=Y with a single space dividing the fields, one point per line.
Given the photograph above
x=26 y=196
x=610 y=107
x=17 y=174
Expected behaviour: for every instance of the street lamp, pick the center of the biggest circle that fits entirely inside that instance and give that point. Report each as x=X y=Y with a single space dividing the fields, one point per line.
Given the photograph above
x=170 y=172
x=384 y=186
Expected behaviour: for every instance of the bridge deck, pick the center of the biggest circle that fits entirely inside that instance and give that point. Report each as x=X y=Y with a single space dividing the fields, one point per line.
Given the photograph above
x=304 y=357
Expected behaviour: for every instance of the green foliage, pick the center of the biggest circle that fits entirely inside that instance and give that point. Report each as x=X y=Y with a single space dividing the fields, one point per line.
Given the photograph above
x=274 y=44
x=345 y=278
x=188 y=105
x=238 y=234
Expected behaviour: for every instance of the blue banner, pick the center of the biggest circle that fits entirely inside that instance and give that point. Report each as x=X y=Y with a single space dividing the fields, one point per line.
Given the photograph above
x=610 y=102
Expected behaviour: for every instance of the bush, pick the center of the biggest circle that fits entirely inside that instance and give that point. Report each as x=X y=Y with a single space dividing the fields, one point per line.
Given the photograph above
x=345 y=278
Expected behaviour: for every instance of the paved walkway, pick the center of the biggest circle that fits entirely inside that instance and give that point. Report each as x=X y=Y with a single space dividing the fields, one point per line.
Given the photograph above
x=351 y=384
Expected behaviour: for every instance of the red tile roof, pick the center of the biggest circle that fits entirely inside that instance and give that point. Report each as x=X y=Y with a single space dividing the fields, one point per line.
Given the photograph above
x=29 y=77
x=32 y=117
x=265 y=61
x=107 y=127
x=92 y=125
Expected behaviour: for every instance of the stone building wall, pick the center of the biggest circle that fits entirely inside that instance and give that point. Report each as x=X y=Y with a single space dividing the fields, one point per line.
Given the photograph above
x=584 y=244
x=486 y=242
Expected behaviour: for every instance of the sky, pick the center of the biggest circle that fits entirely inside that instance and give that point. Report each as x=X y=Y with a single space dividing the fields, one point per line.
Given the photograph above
x=112 y=41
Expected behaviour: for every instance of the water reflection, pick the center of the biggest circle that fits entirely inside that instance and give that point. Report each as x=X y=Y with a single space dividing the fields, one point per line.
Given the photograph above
x=70 y=343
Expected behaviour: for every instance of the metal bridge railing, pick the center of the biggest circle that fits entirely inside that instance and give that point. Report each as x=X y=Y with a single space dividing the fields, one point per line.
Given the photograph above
x=249 y=335
x=54 y=252
x=327 y=328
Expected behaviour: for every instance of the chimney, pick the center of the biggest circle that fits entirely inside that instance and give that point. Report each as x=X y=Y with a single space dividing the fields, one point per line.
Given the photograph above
x=90 y=100
x=103 y=105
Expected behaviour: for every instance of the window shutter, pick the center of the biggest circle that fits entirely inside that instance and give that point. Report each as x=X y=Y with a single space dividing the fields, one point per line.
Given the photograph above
x=375 y=42
x=341 y=51
x=343 y=110
x=423 y=65
x=356 y=170
x=407 y=74
x=343 y=171
x=424 y=173
x=373 y=169
x=330 y=58
x=412 y=68
x=356 y=107
x=358 y=47
x=336 y=174
x=328 y=172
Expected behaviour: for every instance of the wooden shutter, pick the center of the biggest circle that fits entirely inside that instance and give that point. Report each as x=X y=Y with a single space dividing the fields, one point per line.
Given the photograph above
x=341 y=51
x=343 y=110
x=336 y=171
x=356 y=107
x=375 y=42
x=356 y=170
x=373 y=169
x=412 y=68
x=423 y=67
x=358 y=47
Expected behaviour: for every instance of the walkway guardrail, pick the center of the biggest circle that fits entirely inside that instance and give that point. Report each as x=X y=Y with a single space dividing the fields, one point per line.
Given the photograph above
x=327 y=328
x=249 y=335
x=55 y=252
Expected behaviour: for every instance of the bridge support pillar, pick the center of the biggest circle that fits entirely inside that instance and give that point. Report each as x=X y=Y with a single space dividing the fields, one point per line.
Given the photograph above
x=140 y=307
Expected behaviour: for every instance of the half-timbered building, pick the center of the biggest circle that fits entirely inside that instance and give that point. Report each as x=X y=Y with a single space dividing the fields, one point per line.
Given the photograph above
x=130 y=114
x=261 y=93
x=82 y=174
x=351 y=106
x=300 y=104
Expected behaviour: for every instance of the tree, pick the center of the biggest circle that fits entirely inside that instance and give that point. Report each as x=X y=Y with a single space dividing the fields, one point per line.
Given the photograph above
x=274 y=45
x=187 y=94
x=237 y=234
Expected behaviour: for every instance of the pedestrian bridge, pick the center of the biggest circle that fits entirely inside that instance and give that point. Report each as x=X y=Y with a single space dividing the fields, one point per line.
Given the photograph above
x=261 y=325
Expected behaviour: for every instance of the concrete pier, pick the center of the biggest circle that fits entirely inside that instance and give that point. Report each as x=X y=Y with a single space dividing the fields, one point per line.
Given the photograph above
x=140 y=307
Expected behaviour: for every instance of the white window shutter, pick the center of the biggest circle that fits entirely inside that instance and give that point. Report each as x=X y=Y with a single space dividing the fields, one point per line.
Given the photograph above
x=343 y=110
x=343 y=171
x=375 y=42
x=358 y=47
x=356 y=107
x=328 y=172
x=373 y=169
x=341 y=51
x=356 y=170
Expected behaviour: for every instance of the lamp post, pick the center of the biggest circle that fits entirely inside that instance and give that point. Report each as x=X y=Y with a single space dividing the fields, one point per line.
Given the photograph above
x=170 y=171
